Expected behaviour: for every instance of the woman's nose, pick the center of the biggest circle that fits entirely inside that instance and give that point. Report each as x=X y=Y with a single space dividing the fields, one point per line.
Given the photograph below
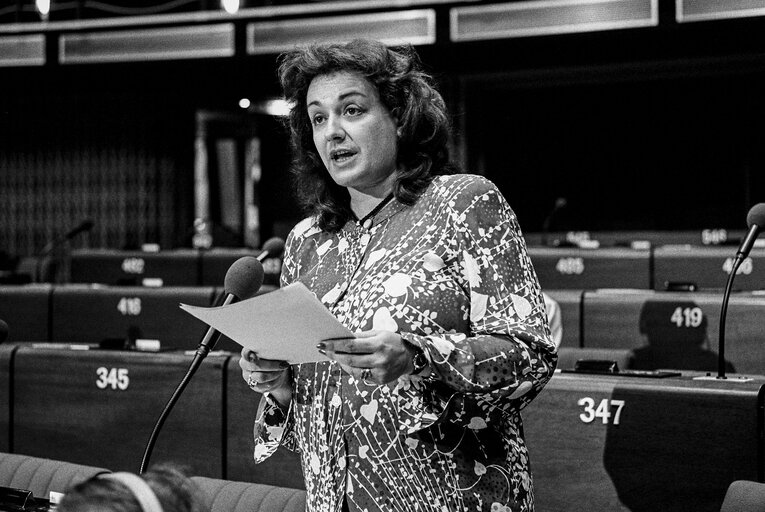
x=334 y=129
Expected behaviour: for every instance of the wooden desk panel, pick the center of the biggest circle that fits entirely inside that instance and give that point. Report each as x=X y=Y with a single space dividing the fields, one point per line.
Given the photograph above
x=572 y=268
x=130 y=268
x=6 y=358
x=282 y=468
x=678 y=329
x=677 y=445
x=26 y=310
x=100 y=407
x=707 y=267
x=215 y=263
x=89 y=314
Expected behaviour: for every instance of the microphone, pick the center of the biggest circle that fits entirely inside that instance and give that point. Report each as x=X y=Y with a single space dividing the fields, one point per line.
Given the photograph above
x=560 y=203
x=272 y=248
x=3 y=331
x=755 y=219
x=83 y=226
x=243 y=280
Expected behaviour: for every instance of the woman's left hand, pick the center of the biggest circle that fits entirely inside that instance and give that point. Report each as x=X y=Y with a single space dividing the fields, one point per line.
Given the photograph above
x=374 y=356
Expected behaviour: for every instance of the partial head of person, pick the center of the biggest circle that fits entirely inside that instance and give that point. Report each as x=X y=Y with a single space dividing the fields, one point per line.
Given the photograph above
x=366 y=118
x=163 y=488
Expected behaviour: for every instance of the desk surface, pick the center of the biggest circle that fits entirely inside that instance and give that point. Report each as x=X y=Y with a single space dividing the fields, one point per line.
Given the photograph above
x=603 y=443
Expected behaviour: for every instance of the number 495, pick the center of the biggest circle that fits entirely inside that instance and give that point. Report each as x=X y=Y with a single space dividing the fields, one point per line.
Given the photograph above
x=602 y=411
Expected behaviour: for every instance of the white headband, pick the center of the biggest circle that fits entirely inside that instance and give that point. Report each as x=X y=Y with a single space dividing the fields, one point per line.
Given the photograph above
x=140 y=489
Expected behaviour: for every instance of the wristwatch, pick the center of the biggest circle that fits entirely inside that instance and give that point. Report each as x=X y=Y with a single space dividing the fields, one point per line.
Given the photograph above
x=419 y=360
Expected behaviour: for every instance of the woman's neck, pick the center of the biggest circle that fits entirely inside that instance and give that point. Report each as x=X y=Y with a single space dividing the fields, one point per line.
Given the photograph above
x=363 y=202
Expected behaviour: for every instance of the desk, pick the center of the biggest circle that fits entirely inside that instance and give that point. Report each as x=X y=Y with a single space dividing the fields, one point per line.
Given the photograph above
x=87 y=314
x=131 y=268
x=282 y=468
x=99 y=408
x=26 y=309
x=707 y=267
x=677 y=445
x=679 y=328
x=6 y=354
x=573 y=268
x=214 y=263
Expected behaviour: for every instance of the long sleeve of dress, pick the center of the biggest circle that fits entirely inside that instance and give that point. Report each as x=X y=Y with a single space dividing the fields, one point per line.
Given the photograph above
x=508 y=356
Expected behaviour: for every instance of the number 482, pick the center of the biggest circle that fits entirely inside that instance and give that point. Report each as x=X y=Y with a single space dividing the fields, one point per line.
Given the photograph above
x=602 y=411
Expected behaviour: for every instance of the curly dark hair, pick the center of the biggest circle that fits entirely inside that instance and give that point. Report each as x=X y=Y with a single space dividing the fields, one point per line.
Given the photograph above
x=405 y=90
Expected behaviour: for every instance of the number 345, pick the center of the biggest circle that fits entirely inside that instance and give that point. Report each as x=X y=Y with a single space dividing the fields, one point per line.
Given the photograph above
x=602 y=411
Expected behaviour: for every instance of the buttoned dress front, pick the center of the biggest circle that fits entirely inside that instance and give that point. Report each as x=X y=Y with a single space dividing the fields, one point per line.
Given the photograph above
x=451 y=274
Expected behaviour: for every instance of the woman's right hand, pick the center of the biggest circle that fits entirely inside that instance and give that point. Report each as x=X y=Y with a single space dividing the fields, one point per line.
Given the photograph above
x=267 y=375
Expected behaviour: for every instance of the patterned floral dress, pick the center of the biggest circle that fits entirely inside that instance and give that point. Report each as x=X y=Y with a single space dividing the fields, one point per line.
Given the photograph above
x=450 y=274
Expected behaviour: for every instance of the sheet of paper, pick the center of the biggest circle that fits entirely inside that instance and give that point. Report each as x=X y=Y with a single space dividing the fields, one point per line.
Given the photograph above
x=285 y=324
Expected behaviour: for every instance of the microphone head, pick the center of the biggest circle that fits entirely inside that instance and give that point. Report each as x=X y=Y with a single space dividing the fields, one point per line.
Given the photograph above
x=244 y=277
x=756 y=216
x=274 y=247
x=560 y=203
x=85 y=225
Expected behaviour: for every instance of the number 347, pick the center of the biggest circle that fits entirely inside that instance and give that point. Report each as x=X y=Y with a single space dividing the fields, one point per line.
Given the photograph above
x=602 y=411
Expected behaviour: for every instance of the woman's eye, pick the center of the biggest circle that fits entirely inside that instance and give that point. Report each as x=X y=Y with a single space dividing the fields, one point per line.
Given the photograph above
x=353 y=111
x=317 y=119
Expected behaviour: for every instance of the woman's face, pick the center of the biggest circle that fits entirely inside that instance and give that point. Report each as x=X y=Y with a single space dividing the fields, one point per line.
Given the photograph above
x=353 y=131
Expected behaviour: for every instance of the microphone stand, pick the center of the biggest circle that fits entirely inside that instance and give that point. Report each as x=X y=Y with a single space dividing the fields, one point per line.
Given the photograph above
x=723 y=313
x=209 y=341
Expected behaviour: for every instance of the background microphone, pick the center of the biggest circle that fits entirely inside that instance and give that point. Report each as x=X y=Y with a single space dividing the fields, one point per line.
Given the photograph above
x=243 y=280
x=272 y=248
x=3 y=331
x=83 y=226
x=755 y=219
x=559 y=204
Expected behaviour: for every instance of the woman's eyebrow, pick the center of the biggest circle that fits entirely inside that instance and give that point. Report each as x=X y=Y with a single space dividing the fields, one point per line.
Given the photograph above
x=342 y=96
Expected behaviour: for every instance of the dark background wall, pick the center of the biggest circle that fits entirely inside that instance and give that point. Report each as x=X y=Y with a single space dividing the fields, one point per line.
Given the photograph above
x=639 y=129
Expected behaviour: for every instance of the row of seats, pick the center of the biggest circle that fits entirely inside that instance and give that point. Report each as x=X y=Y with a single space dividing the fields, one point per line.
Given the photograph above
x=181 y=267
x=667 y=329
x=557 y=267
x=99 y=407
x=42 y=476
x=96 y=314
x=670 y=329
x=596 y=442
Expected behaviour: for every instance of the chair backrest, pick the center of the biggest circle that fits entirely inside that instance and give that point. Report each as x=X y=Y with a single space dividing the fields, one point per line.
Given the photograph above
x=230 y=496
x=744 y=496
x=42 y=475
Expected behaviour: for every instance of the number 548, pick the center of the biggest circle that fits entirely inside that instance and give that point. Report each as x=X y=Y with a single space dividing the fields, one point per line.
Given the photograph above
x=602 y=411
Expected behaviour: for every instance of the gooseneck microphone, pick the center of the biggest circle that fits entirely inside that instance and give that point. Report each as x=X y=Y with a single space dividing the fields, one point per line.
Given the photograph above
x=243 y=280
x=82 y=227
x=755 y=220
x=272 y=248
x=560 y=203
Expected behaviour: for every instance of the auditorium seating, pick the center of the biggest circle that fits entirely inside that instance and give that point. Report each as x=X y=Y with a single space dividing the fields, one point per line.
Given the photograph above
x=677 y=329
x=575 y=268
x=744 y=496
x=26 y=309
x=707 y=267
x=228 y=496
x=43 y=475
